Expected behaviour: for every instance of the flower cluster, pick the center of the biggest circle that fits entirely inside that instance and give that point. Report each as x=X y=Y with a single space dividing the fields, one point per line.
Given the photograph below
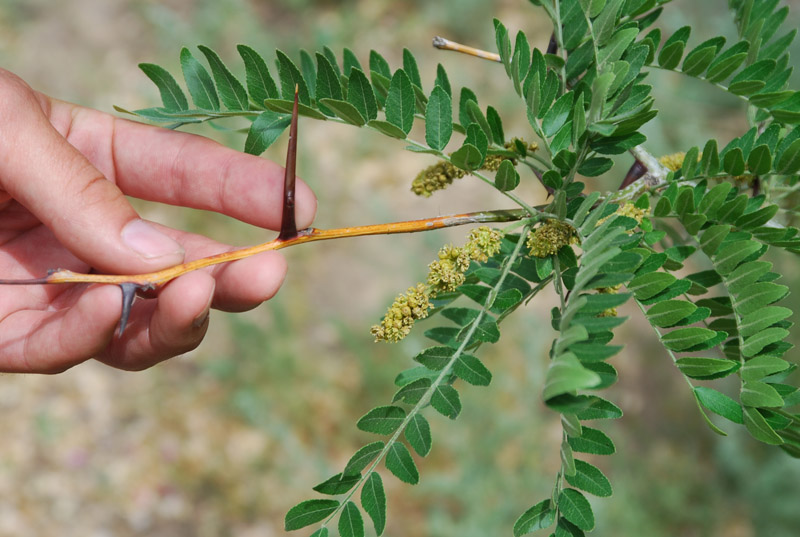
x=484 y=242
x=444 y=275
x=673 y=162
x=492 y=162
x=447 y=273
x=550 y=237
x=402 y=314
x=436 y=177
x=443 y=173
x=630 y=210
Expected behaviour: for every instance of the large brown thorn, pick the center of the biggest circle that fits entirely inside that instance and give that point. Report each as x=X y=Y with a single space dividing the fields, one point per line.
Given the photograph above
x=288 y=223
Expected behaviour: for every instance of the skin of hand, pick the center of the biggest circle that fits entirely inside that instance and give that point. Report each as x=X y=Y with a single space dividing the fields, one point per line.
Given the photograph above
x=64 y=173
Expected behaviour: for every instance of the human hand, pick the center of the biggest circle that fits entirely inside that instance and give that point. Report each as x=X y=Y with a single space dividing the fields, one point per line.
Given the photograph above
x=64 y=174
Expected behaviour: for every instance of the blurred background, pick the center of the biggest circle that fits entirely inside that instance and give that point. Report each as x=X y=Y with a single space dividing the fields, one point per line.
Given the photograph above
x=222 y=441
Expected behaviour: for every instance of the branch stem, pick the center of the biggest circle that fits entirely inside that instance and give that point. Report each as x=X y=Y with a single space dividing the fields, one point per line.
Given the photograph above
x=445 y=44
x=155 y=279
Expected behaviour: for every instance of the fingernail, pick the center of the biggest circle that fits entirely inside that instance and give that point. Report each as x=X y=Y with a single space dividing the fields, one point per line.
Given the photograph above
x=201 y=319
x=147 y=241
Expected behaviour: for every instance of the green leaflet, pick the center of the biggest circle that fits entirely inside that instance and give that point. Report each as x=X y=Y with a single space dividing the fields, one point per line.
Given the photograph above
x=672 y=51
x=291 y=78
x=338 y=484
x=343 y=110
x=446 y=401
x=363 y=457
x=650 y=284
x=506 y=178
x=575 y=508
x=759 y=295
x=762 y=366
x=260 y=84
x=382 y=420
x=266 y=128
x=201 y=87
x=590 y=479
x=704 y=368
x=557 y=115
x=682 y=339
x=435 y=358
x=361 y=95
x=592 y=441
x=565 y=375
x=400 y=102
x=756 y=343
x=670 y=312
x=309 y=512
x=719 y=403
x=351 y=523
x=758 y=427
x=438 y=119
x=373 y=500
x=231 y=91
x=540 y=516
x=418 y=434
x=171 y=94
x=472 y=370
x=413 y=392
x=328 y=85
x=400 y=463
x=762 y=318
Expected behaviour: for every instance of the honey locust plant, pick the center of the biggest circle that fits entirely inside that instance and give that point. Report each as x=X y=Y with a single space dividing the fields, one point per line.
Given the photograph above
x=586 y=98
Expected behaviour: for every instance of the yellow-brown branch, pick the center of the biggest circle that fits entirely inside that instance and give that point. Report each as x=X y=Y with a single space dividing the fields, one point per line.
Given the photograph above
x=154 y=279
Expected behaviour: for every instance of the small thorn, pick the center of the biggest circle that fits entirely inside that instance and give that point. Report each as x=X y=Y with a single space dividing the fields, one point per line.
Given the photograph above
x=128 y=296
x=552 y=46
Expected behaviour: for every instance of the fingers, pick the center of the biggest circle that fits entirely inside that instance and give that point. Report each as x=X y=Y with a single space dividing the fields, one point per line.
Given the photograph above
x=178 y=168
x=177 y=320
x=41 y=341
x=54 y=181
x=173 y=324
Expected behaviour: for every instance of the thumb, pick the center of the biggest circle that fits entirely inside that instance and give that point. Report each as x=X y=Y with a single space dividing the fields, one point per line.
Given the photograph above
x=87 y=213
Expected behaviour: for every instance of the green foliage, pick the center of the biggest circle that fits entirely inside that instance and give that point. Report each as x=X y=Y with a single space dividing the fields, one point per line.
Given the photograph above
x=687 y=244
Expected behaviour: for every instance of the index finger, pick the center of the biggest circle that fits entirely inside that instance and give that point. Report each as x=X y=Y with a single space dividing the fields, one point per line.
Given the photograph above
x=179 y=168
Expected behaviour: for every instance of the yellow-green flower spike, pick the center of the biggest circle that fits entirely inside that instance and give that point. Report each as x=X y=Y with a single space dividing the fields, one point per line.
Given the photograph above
x=484 y=242
x=436 y=177
x=447 y=272
x=400 y=317
x=444 y=275
x=550 y=237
